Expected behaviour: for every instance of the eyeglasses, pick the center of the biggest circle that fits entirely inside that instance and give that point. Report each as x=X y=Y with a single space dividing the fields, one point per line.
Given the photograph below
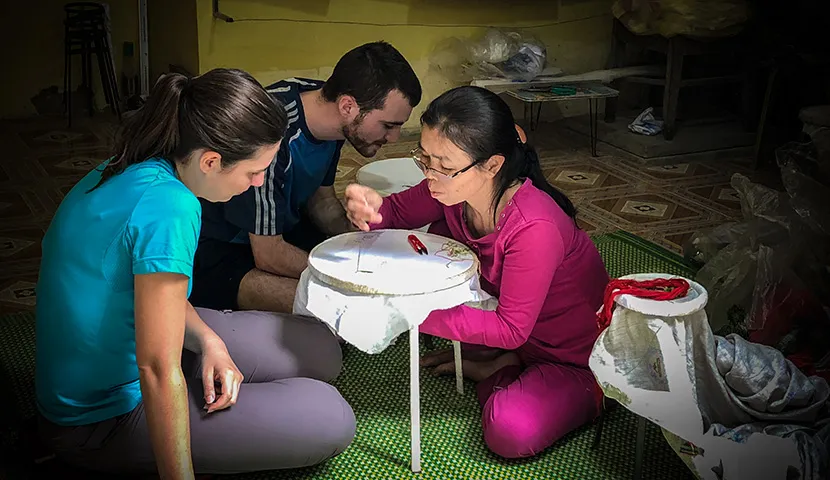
x=417 y=155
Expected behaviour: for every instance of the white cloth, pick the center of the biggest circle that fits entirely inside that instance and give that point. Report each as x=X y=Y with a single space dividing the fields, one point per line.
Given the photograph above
x=738 y=402
x=372 y=322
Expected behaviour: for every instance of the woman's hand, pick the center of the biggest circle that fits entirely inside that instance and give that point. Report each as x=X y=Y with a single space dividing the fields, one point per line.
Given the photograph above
x=362 y=206
x=218 y=367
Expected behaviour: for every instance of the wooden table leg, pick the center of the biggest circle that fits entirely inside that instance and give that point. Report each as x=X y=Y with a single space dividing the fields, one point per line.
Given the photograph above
x=671 y=93
x=459 y=375
x=415 y=399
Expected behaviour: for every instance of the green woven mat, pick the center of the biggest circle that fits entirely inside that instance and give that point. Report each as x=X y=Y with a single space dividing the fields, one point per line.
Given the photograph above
x=377 y=387
x=17 y=368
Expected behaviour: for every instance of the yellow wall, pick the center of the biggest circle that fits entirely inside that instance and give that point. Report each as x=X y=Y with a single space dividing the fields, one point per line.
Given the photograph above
x=171 y=26
x=32 y=32
x=275 y=39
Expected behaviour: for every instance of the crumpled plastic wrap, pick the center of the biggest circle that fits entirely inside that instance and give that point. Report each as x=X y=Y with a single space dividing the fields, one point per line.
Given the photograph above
x=769 y=275
x=498 y=53
x=669 y=18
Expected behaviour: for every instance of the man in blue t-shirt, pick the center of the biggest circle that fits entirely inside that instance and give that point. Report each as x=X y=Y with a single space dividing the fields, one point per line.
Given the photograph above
x=253 y=248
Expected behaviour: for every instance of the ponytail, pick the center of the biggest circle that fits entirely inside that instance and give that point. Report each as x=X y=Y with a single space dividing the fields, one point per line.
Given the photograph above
x=533 y=171
x=152 y=131
x=224 y=110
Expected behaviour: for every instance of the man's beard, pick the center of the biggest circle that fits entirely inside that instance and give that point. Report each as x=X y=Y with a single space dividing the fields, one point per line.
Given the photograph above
x=367 y=149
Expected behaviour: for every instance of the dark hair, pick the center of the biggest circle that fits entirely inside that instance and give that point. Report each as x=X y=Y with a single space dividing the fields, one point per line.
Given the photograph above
x=223 y=110
x=368 y=73
x=481 y=124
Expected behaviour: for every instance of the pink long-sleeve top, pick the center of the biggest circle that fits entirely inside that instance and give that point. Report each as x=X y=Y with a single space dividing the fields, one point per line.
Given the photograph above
x=546 y=273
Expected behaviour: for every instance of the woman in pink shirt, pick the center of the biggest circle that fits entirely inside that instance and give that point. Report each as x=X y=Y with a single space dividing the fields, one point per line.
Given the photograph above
x=530 y=355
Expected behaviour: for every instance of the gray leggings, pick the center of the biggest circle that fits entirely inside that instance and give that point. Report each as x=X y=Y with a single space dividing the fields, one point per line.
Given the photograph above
x=286 y=415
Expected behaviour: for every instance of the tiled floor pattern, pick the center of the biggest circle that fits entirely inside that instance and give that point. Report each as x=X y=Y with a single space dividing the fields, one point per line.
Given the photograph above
x=42 y=160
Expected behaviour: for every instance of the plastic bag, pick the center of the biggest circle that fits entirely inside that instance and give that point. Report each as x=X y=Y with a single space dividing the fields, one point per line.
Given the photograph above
x=729 y=277
x=495 y=47
x=669 y=18
x=773 y=268
x=646 y=124
x=498 y=53
x=807 y=195
x=702 y=246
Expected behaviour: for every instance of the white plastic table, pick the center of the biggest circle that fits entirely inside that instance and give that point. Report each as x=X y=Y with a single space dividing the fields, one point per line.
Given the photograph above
x=359 y=272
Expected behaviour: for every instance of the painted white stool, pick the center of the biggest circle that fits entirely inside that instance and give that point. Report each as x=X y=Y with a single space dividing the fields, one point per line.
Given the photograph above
x=353 y=280
x=390 y=176
x=657 y=359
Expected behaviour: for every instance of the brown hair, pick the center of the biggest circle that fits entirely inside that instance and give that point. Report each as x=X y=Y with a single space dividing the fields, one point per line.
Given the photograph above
x=223 y=110
x=368 y=73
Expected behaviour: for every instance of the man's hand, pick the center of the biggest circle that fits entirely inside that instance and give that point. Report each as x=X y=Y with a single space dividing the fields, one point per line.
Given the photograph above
x=327 y=212
x=218 y=367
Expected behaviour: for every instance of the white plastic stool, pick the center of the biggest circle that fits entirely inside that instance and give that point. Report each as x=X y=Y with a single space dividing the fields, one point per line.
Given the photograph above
x=391 y=176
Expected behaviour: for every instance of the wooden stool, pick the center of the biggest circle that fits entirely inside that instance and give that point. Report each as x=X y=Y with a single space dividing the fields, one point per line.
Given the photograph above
x=676 y=49
x=86 y=34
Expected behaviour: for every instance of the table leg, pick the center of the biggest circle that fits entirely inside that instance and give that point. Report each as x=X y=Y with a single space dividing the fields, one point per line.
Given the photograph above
x=639 y=448
x=593 y=114
x=528 y=114
x=415 y=399
x=671 y=92
x=534 y=125
x=459 y=375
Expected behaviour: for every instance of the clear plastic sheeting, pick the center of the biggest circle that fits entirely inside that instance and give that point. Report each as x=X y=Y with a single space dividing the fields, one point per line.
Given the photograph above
x=669 y=18
x=498 y=53
x=769 y=275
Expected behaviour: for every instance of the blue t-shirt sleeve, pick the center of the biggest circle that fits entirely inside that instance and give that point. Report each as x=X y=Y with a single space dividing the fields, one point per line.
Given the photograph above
x=164 y=230
x=331 y=174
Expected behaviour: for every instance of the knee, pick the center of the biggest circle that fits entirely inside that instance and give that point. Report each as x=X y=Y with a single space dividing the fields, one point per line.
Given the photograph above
x=328 y=354
x=514 y=434
x=344 y=426
x=333 y=417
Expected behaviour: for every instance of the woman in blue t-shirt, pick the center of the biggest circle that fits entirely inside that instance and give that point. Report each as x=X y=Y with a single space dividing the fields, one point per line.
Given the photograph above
x=130 y=377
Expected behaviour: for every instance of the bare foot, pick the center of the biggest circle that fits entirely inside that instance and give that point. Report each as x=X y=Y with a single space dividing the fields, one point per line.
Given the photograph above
x=477 y=353
x=478 y=370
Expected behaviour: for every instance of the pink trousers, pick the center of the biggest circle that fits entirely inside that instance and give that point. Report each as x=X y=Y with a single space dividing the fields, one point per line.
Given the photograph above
x=527 y=410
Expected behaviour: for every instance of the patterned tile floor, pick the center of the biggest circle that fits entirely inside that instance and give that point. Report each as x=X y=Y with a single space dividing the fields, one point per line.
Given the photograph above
x=43 y=159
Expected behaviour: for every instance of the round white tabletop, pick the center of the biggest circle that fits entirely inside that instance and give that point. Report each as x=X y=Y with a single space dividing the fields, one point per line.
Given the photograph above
x=384 y=262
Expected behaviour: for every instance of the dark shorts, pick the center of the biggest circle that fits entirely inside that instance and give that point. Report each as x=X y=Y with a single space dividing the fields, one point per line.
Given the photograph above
x=219 y=266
